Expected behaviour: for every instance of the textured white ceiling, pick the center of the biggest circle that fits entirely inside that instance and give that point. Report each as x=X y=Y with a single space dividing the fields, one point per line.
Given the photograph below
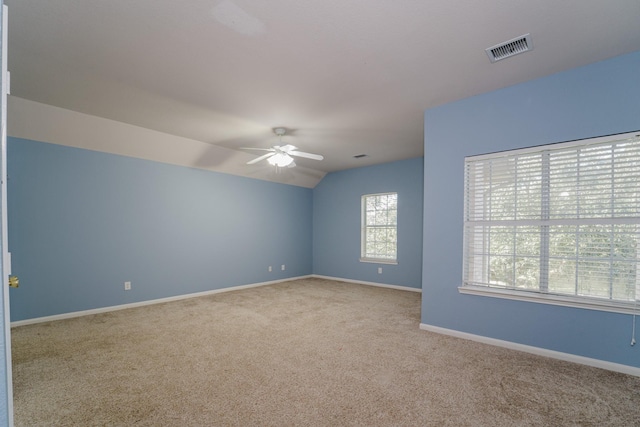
x=346 y=77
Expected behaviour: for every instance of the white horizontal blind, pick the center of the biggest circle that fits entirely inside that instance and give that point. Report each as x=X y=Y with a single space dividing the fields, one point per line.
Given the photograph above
x=379 y=227
x=562 y=219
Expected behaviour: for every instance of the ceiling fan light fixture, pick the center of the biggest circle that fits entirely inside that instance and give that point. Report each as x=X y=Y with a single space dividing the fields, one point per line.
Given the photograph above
x=281 y=156
x=280 y=160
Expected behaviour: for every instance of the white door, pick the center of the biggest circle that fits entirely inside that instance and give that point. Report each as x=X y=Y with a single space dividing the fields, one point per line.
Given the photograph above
x=6 y=389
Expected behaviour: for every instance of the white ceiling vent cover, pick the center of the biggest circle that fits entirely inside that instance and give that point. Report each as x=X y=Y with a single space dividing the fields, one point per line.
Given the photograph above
x=510 y=48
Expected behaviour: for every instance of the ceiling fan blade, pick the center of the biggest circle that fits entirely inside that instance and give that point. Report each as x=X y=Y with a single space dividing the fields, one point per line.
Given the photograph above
x=306 y=155
x=257 y=159
x=255 y=148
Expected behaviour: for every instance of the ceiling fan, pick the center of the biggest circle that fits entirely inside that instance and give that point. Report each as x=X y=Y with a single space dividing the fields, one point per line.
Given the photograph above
x=280 y=156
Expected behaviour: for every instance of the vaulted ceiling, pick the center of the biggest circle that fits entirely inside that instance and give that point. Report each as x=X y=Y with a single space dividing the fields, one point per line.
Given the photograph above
x=345 y=77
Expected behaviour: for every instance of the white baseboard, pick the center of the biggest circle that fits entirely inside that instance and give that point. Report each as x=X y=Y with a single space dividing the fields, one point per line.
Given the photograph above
x=192 y=295
x=361 y=282
x=149 y=302
x=567 y=357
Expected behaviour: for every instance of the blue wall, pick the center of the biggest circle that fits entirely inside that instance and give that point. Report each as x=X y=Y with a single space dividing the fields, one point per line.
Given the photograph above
x=83 y=222
x=336 y=222
x=598 y=99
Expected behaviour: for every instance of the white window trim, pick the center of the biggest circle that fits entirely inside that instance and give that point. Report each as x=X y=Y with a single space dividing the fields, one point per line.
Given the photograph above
x=379 y=261
x=589 y=303
x=388 y=261
x=586 y=302
x=557 y=145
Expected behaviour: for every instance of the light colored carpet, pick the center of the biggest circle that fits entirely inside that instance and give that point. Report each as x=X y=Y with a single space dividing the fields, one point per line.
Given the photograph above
x=302 y=353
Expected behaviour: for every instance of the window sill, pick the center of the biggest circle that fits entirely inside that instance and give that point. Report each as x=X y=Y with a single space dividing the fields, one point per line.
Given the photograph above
x=379 y=261
x=565 y=301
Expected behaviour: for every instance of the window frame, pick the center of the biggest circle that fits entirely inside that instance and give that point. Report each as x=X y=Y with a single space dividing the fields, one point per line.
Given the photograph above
x=364 y=227
x=542 y=294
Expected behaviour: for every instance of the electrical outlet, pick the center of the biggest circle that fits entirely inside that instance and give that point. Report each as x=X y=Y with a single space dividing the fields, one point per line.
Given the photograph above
x=127 y=286
x=282 y=267
x=379 y=270
x=270 y=269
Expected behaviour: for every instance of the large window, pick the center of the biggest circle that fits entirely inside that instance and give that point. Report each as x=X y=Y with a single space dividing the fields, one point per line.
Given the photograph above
x=558 y=224
x=379 y=228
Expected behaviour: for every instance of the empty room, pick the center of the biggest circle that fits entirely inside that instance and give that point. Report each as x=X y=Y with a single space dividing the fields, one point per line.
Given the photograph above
x=243 y=213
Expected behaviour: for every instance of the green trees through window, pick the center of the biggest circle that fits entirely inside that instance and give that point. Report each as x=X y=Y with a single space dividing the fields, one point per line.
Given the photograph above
x=379 y=227
x=562 y=219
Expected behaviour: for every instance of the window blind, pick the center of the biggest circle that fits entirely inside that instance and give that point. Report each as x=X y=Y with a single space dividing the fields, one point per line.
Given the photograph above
x=561 y=219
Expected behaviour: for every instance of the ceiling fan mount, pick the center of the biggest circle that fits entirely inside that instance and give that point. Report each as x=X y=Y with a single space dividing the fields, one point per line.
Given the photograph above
x=282 y=155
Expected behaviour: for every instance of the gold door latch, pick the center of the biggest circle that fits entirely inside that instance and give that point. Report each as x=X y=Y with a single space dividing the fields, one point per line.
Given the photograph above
x=14 y=282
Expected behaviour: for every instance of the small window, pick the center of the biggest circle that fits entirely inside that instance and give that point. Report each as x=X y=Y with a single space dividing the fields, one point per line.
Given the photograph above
x=379 y=228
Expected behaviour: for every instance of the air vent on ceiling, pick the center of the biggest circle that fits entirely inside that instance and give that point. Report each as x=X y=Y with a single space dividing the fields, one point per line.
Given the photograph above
x=510 y=48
